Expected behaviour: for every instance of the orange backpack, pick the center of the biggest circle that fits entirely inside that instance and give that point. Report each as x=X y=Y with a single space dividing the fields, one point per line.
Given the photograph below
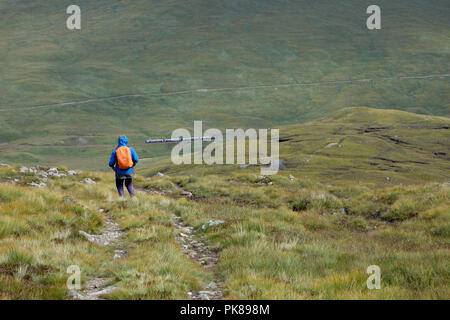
x=124 y=160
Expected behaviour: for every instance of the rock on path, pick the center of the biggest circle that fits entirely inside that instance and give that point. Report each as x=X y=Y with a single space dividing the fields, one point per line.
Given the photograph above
x=111 y=235
x=198 y=251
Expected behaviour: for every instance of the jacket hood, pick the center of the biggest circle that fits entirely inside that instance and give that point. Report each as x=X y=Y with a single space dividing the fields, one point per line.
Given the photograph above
x=122 y=141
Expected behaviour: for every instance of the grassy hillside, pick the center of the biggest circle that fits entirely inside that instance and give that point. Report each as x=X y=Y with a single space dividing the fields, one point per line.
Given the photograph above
x=353 y=145
x=39 y=240
x=377 y=195
x=280 y=238
x=364 y=144
x=153 y=48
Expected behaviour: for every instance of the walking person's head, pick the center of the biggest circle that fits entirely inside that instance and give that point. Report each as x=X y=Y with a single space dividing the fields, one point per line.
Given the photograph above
x=122 y=141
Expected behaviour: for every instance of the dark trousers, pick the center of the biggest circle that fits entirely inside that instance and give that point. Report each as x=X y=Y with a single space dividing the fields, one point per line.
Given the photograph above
x=128 y=184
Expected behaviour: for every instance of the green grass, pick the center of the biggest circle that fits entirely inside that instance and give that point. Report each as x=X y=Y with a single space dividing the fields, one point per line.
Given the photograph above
x=307 y=238
x=271 y=250
x=375 y=147
x=145 y=47
x=380 y=196
x=39 y=240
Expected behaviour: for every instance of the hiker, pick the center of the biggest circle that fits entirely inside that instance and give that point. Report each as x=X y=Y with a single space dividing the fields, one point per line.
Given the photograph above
x=122 y=161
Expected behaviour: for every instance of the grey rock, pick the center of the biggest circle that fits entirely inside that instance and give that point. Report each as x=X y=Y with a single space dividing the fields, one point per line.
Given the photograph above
x=76 y=295
x=211 y=285
x=38 y=185
x=211 y=223
x=89 y=181
x=55 y=173
x=186 y=193
x=118 y=254
x=42 y=174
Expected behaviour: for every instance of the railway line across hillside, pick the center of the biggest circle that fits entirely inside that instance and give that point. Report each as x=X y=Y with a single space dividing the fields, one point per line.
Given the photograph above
x=230 y=89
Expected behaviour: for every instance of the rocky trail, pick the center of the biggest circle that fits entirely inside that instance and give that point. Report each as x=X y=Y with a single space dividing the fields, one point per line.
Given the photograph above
x=198 y=251
x=111 y=236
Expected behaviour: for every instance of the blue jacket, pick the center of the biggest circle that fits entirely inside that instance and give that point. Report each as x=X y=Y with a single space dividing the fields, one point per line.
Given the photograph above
x=123 y=142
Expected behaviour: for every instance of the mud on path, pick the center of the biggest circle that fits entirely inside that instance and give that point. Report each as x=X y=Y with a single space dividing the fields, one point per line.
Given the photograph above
x=110 y=236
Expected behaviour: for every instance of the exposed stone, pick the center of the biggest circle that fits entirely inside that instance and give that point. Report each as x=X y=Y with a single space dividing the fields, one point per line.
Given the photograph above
x=76 y=295
x=118 y=254
x=95 y=288
x=98 y=286
x=38 y=185
x=42 y=174
x=205 y=295
x=211 y=223
x=211 y=285
x=53 y=172
x=198 y=251
x=186 y=193
x=89 y=181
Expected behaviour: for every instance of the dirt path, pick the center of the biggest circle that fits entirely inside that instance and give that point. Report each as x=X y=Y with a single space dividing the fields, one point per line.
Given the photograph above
x=198 y=251
x=110 y=236
x=195 y=250
x=210 y=90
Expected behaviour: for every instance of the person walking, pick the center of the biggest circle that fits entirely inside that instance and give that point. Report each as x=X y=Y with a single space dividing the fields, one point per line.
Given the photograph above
x=123 y=160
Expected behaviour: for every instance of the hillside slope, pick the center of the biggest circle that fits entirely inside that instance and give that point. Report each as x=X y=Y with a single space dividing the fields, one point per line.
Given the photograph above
x=273 y=238
x=353 y=145
x=152 y=48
